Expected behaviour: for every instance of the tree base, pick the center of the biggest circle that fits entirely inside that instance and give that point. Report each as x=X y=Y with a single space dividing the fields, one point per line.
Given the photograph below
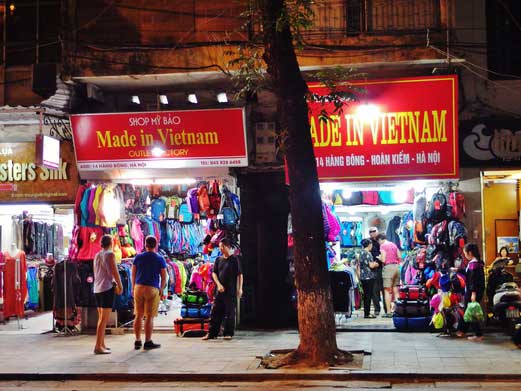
x=297 y=359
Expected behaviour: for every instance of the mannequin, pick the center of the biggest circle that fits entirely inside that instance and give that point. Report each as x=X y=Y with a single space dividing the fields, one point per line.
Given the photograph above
x=15 y=282
x=13 y=250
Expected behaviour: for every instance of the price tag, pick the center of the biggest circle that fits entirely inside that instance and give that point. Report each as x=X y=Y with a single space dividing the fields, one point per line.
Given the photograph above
x=220 y=216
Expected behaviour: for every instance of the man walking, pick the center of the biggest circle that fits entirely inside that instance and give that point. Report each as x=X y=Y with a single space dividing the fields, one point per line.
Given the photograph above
x=227 y=274
x=147 y=269
x=390 y=256
x=378 y=290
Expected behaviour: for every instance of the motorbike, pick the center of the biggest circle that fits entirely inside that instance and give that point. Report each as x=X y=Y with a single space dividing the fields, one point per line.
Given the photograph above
x=505 y=296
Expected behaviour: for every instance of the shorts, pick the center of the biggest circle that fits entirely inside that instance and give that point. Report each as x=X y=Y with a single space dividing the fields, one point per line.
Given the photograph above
x=146 y=300
x=105 y=299
x=391 y=275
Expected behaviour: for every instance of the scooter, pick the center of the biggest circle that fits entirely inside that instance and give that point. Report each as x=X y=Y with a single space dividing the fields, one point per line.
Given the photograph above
x=505 y=296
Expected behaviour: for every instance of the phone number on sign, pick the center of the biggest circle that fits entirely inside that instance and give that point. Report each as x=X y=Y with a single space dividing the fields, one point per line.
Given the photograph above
x=223 y=162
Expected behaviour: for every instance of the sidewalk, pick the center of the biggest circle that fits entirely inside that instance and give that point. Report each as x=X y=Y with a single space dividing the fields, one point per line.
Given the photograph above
x=392 y=356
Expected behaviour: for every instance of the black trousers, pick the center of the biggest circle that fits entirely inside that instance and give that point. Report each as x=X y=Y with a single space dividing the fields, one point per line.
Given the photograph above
x=223 y=310
x=369 y=295
x=378 y=288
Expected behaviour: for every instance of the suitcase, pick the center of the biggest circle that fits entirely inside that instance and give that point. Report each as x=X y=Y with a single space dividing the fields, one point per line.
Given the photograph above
x=196 y=311
x=411 y=308
x=403 y=323
x=412 y=292
x=187 y=327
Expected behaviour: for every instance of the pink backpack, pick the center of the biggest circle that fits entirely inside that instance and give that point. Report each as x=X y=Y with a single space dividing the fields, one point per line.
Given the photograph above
x=334 y=225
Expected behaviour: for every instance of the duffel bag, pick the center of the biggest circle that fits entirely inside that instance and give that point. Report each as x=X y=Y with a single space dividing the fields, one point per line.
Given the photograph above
x=412 y=292
x=195 y=297
x=199 y=311
x=411 y=308
x=191 y=327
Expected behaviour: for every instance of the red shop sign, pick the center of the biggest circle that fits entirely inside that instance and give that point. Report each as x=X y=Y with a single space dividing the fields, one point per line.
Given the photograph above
x=399 y=129
x=165 y=139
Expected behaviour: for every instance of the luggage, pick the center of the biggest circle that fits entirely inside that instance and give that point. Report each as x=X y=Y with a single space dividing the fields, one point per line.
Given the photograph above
x=191 y=327
x=420 y=323
x=196 y=311
x=412 y=292
x=195 y=297
x=411 y=308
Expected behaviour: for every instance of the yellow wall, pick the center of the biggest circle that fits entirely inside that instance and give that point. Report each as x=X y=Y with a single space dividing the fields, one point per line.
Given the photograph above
x=499 y=202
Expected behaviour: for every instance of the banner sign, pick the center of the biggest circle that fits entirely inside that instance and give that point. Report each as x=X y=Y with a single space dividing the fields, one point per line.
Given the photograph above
x=399 y=129
x=490 y=143
x=166 y=139
x=21 y=180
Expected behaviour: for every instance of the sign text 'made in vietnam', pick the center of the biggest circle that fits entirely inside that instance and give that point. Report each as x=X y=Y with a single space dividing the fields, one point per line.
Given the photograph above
x=398 y=129
x=198 y=138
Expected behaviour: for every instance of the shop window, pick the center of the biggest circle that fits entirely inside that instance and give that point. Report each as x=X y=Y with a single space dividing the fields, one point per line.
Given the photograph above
x=504 y=39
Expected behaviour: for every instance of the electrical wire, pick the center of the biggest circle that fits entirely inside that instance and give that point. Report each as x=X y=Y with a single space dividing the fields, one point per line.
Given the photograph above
x=518 y=25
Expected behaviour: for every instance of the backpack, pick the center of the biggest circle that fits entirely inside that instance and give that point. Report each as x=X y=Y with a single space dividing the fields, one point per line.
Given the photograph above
x=420 y=230
x=457 y=233
x=334 y=225
x=457 y=204
x=215 y=199
x=406 y=232
x=419 y=258
x=229 y=215
x=185 y=215
x=420 y=207
x=192 y=201
x=439 y=234
x=203 y=199
x=437 y=210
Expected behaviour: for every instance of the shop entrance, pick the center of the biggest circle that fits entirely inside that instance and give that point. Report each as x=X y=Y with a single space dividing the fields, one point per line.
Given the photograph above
x=35 y=237
x=187 y=216
x=424 y=221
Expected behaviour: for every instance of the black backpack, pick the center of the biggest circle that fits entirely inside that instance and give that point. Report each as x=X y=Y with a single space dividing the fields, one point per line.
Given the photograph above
x=437 y=209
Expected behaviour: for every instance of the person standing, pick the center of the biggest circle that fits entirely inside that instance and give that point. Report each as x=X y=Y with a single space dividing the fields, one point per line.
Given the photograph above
x=368 y=277
x=390 y=256
x=474 y=286
x=147 y=270
x=227 y=274
x=107 y=283
x=378 y=289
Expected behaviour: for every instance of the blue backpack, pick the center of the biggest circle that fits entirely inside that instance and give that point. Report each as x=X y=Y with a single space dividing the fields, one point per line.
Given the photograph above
x=185 y=215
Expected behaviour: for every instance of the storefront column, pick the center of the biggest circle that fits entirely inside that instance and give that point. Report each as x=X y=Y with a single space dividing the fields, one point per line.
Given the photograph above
x=264 y=245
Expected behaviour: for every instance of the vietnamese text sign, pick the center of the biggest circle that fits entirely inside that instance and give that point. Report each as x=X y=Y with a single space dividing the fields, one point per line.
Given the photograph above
x=167 y=139
x=399 y=129
x=21 y=180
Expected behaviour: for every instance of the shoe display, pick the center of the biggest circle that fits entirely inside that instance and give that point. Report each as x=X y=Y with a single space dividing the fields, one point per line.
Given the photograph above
x=149 y=345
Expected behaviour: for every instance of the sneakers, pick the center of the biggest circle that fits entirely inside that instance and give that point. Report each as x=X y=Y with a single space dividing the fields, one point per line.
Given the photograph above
x=149 y=345
x=138 y=345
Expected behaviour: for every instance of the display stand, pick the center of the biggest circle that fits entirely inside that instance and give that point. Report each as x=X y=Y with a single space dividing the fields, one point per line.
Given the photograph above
x=66 y=332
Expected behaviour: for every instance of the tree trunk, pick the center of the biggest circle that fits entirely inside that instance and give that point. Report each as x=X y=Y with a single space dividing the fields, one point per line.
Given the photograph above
x=315 y=309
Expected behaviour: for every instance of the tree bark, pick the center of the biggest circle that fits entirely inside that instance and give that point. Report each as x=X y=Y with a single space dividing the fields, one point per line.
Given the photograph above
x=315 y=309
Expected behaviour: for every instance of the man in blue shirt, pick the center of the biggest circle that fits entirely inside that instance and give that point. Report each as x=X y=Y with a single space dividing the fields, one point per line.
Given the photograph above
x=147 y=269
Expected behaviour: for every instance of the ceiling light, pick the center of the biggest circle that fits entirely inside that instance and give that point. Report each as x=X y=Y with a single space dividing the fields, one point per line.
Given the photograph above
x=222 y=97
x=175 y=181
x=163 y=99
x=158 y=151
x=192 y=98
x=135 y=99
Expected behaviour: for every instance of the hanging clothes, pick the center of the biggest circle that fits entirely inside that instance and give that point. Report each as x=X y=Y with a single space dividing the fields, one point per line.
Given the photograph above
x=32 y=287
x=15 y=284
x=2 y=264
x=65 y=280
